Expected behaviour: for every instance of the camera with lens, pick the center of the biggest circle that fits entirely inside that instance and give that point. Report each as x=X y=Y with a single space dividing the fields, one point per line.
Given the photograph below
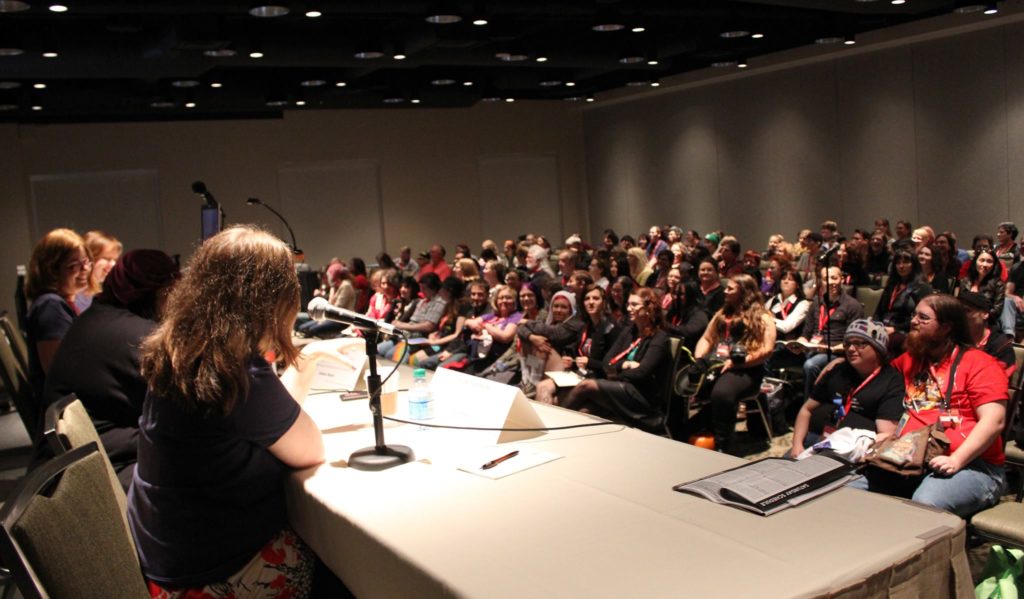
x=738 y=355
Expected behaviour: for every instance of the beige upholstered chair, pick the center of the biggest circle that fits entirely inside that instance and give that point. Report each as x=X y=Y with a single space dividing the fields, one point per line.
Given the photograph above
x=61 y=534
x=67 y=426
x=17 y=341
x=15 y=378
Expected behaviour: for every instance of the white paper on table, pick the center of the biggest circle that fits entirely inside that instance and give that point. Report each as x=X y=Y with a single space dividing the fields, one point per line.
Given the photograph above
x=564 y=378
x=527 y=458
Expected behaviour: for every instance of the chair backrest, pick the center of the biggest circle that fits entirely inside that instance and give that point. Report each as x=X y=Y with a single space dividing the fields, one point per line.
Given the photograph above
x=61 y=536
x=676 y=406
x=1018 y=373
x=15 y=379
x=869 y=298
x=16 y=339
x=67 y=426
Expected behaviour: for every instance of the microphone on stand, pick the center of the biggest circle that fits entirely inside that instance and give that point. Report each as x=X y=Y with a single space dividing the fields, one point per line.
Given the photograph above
x=320 y=309
x=257 y=202
x=199 y=188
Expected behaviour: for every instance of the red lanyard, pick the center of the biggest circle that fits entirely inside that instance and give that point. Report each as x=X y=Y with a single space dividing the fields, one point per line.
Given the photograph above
x=583 y=342
x=823 y=320
x=899 y=289
x=934 y=374
x=631 y=347
x=787 y=307
x=864 y=383
x=728 y=327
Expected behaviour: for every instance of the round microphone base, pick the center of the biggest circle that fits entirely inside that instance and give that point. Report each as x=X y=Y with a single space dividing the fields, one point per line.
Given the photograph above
x=374 y=459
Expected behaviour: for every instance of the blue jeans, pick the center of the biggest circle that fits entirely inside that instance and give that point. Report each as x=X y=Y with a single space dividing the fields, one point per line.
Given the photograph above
x=970 y=490
x=432 y=362
x=1008 y=319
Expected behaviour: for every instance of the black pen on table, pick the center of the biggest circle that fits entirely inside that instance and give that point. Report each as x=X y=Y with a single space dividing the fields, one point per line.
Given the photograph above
x=497 y=461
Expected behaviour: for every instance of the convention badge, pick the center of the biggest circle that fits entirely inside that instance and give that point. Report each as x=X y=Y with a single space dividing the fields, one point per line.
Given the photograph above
x=950 y=418
x=722 y=350
x=902 y=423
x=816 y=339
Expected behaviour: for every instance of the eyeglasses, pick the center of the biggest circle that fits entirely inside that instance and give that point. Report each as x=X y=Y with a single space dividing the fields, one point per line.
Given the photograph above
x=78 y=265
x=857 y=344
x=921 y=317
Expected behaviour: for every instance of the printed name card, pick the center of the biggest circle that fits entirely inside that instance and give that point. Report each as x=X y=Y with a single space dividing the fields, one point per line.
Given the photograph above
x=464 y=400
x=346 y=373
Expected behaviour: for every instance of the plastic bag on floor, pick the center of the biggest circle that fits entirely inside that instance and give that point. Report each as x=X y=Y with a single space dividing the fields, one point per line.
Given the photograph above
x=1001 y=577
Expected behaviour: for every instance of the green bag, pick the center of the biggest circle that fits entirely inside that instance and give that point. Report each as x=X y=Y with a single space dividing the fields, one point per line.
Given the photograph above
x=1001 y=578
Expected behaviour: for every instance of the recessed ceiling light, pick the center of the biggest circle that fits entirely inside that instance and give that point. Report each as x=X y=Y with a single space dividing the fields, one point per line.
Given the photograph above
x=655 y=84
x=631 y=59
x=570 y=84
x=510 y=99
x=268 y=10
x=757 y=36
x=734 y=34
x=590 y=98
x=300 y=102
x=742 y=64
x=37 y=108
x=399 y=56
x=313 y=83
x=510 y=57
x=850 y=40
x=479 y=22
x=368 y=54
x=314 y=14
x=440 y=82
x=9 y=85
x=443 y=19
x=606 y=27
x=161 y=104
x=542 y=59
x=899 y=1
x=638 y=29
x=255 y=54
x=395 y=100
x=190 y=104
x=39 y=85
x=50 y=55
x=652 y=62
x=721 y=64
x=340 y=84
x=185 y=83
x=991 y=9
x=58 y=8
x=550 y=83
x=219 y=53
x=11 y=51
x=216 y=85
x=467 y=84
x=824 y=41
x=13 y=6
x=415 y=100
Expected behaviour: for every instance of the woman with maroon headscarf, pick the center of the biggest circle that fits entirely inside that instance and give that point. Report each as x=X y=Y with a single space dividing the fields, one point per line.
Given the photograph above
x=98 y=359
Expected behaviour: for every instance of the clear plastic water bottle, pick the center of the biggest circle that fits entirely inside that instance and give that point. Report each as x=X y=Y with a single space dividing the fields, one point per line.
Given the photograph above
x=421 y=403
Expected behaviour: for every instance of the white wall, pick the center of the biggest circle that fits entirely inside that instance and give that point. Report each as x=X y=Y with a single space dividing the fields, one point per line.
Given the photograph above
x=428 y=165
x=931 y=132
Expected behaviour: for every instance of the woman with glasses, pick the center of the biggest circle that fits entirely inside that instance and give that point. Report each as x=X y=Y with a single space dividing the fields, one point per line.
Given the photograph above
x=858 y=390
x=57 y=272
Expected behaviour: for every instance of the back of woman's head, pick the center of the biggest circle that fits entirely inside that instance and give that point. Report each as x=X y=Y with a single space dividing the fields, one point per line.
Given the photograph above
x=49 y=255
x=238 y=298
x=137 y=280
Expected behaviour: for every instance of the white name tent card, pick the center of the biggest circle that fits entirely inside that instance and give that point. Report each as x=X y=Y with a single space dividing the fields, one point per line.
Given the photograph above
x=346 y=373
x=464 y=400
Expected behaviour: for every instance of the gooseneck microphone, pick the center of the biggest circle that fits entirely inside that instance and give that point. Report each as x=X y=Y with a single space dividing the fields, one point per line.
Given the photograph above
x=320 y=309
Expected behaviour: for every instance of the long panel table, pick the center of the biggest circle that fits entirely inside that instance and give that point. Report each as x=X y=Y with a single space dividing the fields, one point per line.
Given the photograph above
x=602 y=521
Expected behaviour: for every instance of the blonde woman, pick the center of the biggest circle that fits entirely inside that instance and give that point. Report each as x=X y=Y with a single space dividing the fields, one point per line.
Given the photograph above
x=104 y=250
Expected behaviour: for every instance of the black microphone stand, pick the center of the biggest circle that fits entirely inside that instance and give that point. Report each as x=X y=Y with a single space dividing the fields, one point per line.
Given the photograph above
x=257 y=202
x=380 y=456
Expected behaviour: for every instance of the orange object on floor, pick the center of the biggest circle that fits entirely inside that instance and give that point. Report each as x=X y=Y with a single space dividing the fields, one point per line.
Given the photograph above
x=703 y=440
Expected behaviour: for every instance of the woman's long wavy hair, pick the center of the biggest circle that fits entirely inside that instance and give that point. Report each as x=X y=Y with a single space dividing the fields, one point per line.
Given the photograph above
x=238 y=299
x=750 y=309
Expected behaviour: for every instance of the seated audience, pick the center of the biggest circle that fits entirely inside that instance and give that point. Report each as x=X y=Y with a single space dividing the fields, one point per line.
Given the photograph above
x=904 y=290
x=424 y=318
x=711 y=295
x=998 y=345
x=219 y=431
x=639 y=270
x=684 y=317
x=636 y=367
x=98 y=359
x=492 y=333
x=789 y=306
x=544 y=343
x=860 y=390
x=932 y=272
x=445 y=344
x=985 y=276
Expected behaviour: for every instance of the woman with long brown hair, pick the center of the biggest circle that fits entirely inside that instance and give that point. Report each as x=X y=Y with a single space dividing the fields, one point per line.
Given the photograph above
x=219 y=431
x=104 y=250
x=741 y=337
x=636 y=367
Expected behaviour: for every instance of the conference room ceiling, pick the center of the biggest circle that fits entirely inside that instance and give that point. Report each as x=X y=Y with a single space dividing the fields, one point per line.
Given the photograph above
x=132 y=60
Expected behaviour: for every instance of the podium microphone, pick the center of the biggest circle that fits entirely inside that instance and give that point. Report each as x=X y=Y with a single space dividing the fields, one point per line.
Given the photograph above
x=320 y=309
